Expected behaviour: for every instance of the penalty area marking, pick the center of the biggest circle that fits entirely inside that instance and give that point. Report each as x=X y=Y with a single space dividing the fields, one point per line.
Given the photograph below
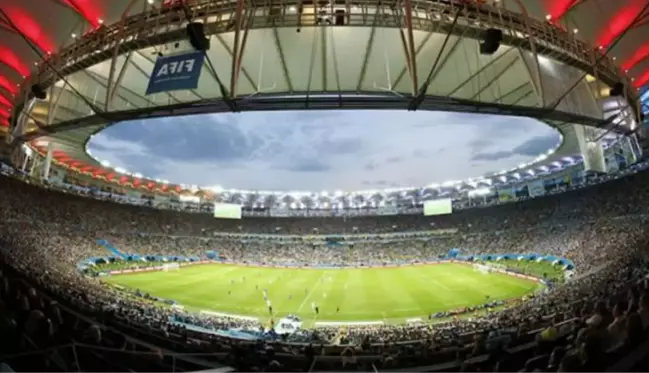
x=317 y=284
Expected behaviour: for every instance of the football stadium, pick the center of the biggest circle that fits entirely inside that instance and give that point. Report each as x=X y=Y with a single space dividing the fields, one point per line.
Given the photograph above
x=298 y=185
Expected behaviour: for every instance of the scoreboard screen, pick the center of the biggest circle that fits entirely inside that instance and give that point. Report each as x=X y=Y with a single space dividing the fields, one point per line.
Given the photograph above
x=438 y=207
x=227 y=211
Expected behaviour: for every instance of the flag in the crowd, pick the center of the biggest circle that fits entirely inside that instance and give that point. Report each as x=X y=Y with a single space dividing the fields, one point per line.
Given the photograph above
x=505 y=195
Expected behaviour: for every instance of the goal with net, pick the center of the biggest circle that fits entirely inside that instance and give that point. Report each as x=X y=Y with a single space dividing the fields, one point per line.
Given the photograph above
x=481 y=268
x=489 y=267
x=170 y=267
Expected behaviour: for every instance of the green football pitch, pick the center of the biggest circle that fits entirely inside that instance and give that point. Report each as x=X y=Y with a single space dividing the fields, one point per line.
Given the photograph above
x=391 y=295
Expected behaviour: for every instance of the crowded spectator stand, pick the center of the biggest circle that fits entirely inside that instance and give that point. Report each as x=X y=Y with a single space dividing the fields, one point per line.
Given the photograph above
x=71 y=321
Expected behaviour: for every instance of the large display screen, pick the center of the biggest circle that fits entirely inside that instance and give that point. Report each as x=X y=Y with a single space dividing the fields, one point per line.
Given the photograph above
x=227 y=211
x=438 y=207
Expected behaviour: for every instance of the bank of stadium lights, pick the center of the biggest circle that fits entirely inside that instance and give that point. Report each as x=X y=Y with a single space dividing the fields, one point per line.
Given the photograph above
x=479 y=192
x=450 y=183
x=215 y=188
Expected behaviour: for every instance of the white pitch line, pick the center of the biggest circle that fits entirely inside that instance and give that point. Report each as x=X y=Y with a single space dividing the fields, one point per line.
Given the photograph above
x=311 y=292
x=440 y=284
x=426 y=280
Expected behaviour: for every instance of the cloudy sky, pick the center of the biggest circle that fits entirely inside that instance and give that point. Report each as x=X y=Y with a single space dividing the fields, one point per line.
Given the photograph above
x=322 y=150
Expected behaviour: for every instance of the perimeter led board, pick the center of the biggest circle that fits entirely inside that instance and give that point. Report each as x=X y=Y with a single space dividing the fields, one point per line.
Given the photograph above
x=438 y=207
x=227 y=211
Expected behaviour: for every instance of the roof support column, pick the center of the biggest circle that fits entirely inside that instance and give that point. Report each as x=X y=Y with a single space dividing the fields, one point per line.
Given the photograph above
x=120 y=77
x=21 y=118
x=35 y=163
x=26 y=157
x=53 y=104
x=110 y=87
x=420 y=95
x=411 y=56
x=111 y=73
x=48 y=161
x=537 y=78
x=239 y=46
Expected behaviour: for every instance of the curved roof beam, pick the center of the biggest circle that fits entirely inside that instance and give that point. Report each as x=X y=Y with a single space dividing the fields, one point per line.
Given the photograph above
x=5 y=101
x=640 y=54
x=642 y=80
x=8 y=86
x=87 y=9
x=8 y=57
x=29 y=28
x=621 y=21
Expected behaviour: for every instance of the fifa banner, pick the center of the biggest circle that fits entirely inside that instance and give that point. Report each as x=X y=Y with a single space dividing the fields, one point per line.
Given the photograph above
x=176 y=72
x=536 y=188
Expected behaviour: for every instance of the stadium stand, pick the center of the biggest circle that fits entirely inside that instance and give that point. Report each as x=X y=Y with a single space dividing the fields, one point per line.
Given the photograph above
x=69 y=321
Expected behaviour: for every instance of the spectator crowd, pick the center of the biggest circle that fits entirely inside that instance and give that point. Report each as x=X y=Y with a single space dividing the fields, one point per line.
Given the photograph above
x=585 y=324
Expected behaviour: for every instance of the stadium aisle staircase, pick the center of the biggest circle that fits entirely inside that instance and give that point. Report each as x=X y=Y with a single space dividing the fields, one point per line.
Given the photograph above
x=107 y=245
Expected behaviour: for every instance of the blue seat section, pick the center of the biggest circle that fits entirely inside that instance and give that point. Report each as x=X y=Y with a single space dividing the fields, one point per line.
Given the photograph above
x=567 y=263
x=111 y=248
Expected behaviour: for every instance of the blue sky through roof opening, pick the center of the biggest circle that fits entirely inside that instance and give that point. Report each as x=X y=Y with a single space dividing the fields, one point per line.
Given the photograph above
x=322 y=150
x=644 y=99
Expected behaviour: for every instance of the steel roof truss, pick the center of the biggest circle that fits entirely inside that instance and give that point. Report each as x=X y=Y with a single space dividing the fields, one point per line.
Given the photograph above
x=110 y=87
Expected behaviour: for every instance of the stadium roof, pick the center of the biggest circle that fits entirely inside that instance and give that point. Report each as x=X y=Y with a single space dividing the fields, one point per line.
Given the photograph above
x=51 y=24
x=35 y=29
